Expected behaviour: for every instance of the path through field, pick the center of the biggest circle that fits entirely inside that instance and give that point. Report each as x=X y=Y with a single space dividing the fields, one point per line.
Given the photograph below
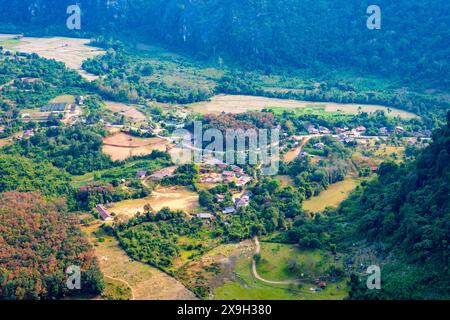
x=145 y=281
x=257 y=276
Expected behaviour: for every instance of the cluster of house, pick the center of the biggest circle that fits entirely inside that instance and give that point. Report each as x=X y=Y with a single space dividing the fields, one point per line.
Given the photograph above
x=239 y=202
x=26 y=134
x=215 y=172
x=321 y=130
x=157 y=175
x=68 y=110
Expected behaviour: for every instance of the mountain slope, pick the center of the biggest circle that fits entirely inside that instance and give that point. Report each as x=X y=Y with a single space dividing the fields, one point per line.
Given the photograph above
x=302 y=33
x=405 y=215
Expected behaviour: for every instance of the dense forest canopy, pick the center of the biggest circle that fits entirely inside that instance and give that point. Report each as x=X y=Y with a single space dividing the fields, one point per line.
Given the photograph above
x=48 y=241
x=306 y=33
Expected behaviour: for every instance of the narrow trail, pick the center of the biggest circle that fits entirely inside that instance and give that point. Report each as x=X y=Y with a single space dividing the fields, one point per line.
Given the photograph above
x=124 y=282
x=257 y=276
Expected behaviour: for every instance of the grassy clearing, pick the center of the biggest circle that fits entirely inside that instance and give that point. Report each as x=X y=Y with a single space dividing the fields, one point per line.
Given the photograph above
x=127 y=171
x=285 y=180
x=239 y=104
x=64 y=99
x=121 y=146
x=116 y=290
x=332 y=197
x=176 y=198
x=273 y=266
x=128 y=111
x=9 y=42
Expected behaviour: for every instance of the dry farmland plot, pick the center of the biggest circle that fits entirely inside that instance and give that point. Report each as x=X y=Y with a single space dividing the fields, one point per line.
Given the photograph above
x=332 y=197
x=121 y=146
x=146 y=282
x=71 y=51
x=176 y=198
x=127 y=111
x=240 y=104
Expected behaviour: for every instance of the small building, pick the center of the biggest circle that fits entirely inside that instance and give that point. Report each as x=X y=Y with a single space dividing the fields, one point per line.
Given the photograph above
x=206 y=216
x=229 y=210
x=228 y=179
x=248 y=194
x=103 y=213
x=399 y=129
x=319 y=145
x=361 y=129
x=161 y=174
x=28 y=134
x=228 y=173
x=324 y=130
x=311 y=129
x=242 y=181
x=241 y=202
x=383 y=131
x=54 y=107
x=374 y=168
x=141 y=174
x=79 y=100
x=219 y=197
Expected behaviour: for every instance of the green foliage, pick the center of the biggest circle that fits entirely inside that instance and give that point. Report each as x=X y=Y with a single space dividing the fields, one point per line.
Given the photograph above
x=21 y=174
x=76 y=149
x=407 y=209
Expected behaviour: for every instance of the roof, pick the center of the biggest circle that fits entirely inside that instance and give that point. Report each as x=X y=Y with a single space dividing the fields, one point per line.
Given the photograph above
x=54 y=107
x=240 y=202
x=166 y=172
x=204 y=216
x=228 y=173
x=103 y=212
x=229 y=210
x=141 y=174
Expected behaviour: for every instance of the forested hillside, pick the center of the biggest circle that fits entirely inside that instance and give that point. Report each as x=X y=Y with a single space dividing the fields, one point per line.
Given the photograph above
x=38 y=242
x=303 y=33
x=405 y=216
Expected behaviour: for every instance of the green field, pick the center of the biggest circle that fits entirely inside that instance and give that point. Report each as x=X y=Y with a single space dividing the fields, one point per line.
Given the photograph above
x=9 y=41
x=126 y=171
x=274 y=266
